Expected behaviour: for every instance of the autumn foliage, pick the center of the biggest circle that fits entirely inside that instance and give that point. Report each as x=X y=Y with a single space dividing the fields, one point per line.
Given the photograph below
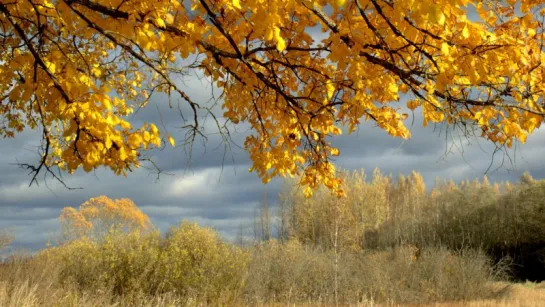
x=77 y=69
x=381 y=211
x=101 y=215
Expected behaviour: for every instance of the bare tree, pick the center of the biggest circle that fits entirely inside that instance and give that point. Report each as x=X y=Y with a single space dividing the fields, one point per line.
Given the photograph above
x=265 y=217
x=239 y=239
x=285 y=204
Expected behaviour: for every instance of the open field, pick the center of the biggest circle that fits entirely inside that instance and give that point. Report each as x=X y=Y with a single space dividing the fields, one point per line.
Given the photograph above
x=509 y=295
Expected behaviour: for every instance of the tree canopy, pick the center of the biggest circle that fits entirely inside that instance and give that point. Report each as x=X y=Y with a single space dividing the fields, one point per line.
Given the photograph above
x=100 y=215
x=76 y=69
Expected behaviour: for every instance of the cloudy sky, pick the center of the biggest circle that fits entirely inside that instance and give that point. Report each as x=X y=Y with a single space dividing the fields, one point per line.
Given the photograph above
x=215 y=188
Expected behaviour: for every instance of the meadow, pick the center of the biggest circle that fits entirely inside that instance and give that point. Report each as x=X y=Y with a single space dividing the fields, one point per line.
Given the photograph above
x=389 y=242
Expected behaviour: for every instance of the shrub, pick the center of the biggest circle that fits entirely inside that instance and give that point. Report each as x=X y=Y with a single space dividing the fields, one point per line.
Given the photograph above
x=288 y=272
x=408 y=275
x=195 y=261
x=191 y=261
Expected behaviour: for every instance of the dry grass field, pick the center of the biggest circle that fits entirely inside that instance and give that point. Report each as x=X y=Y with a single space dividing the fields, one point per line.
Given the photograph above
x=511 y=295
x=507 y=295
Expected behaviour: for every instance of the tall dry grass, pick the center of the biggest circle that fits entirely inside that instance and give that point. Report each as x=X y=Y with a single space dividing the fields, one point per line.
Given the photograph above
x=508 y=295
x=293 y=273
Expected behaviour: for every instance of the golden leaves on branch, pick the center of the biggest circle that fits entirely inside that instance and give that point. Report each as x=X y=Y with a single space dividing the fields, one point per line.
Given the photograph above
x=80 y=68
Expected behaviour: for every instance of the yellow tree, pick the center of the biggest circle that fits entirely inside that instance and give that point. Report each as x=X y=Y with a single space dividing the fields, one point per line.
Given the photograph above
x=99 y=215
x=76 y=69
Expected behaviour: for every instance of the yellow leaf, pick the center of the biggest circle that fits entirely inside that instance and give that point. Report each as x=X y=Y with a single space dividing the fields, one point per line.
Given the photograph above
x=413 y=104
x=160 y=22
x=270 y=34
x=444 y=48
x=154 y=129
x=236 y=3
x=169 y=19
x=106 y=103
x=441 y=18
x=330 y=89
x=122 y=154
x=87 y=167
x=281 y=44
x=393 y=88
x=465 y=32
x=307 y=192
x=50 y=66
x=340 y=2
x=436 y=16
x=171 y=141
x=404 y=88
